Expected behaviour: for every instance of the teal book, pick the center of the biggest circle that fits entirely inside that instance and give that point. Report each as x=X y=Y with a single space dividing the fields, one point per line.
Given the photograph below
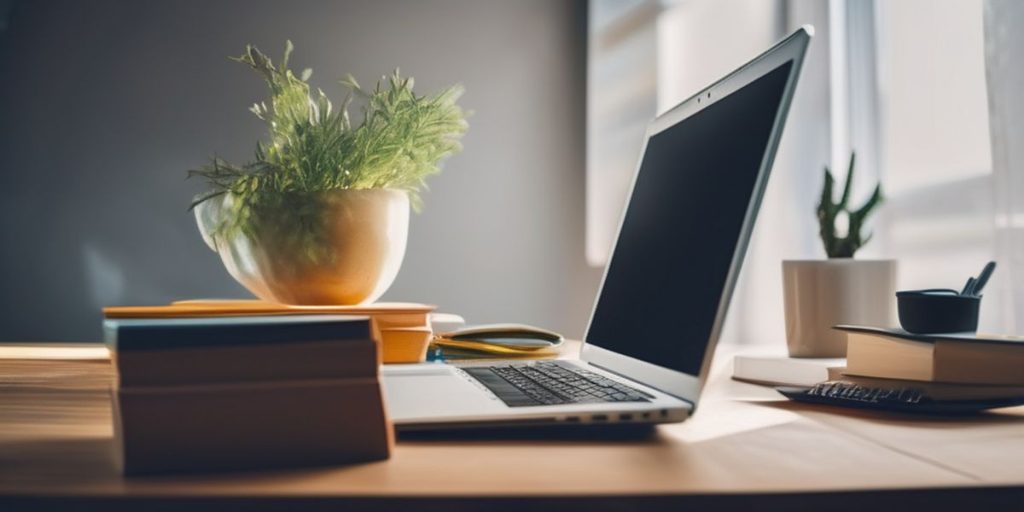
x=203 y=351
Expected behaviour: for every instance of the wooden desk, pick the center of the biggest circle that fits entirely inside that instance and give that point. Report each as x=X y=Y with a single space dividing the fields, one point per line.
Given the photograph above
x=744 y=448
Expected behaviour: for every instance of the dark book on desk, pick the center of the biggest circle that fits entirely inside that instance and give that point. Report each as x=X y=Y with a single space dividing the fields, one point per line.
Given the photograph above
x=963 y=358
x=196 y=351
x=250 y=425
x=203 y=394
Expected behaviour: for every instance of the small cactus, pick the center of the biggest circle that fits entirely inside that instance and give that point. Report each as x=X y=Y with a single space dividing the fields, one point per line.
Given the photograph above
x=828 y=210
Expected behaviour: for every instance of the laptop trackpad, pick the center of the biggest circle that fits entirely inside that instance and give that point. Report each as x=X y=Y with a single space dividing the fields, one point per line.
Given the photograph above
x=423 y=391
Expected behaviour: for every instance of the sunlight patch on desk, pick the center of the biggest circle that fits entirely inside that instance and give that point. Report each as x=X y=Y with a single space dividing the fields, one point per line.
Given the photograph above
x=718 y=419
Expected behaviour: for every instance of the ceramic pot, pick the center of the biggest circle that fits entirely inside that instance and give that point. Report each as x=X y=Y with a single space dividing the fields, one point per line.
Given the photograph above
x=822 y=293
x=336 y=247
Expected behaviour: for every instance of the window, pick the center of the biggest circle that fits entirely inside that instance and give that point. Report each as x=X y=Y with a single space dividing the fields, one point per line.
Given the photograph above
x=646 y=56
x=900 y=82
x=621 y=100
x=935 y=154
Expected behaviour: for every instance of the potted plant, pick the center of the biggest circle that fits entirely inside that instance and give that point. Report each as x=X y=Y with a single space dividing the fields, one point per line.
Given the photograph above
x=320 y=216
x=839 y=290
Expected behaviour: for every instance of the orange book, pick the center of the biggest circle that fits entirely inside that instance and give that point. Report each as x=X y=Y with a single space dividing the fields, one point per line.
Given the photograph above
x=403 y=329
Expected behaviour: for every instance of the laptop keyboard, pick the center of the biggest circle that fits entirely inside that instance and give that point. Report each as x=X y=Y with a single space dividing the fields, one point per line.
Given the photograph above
x=551 y=383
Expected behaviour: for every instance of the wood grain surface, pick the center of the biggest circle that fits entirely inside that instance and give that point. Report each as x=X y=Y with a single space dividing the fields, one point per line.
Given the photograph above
x=745 y=446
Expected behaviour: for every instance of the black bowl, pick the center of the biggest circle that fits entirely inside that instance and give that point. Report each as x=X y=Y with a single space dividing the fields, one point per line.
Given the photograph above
x=933 y=312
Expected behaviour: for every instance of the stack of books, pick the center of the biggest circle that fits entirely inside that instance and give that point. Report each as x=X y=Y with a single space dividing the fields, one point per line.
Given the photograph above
x=958 y=364
x=243 y=392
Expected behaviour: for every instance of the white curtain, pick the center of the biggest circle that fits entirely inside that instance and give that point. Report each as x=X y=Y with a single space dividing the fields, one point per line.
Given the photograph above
x=1004 y=51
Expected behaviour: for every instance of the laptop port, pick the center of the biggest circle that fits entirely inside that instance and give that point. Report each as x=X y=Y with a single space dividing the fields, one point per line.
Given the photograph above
x=664 y=413
x=572 y=419
x=599 y=417
x=626 y=417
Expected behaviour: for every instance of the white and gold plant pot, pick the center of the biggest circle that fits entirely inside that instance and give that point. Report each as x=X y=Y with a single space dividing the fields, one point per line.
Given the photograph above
x=335 y=247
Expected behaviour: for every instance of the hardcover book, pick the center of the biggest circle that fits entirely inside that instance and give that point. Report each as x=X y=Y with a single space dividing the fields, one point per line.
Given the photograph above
x=964 y=358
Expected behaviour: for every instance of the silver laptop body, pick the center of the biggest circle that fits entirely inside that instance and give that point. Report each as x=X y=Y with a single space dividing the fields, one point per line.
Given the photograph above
x=666 y=289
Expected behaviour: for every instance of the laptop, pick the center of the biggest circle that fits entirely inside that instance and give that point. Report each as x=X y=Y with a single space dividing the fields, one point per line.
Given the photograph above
x=663 y=299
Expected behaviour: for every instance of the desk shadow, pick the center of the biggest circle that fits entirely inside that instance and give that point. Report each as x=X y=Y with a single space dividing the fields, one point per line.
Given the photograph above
x=581 y=433
x=991 y=417
x=84 y=459
x=91 y=462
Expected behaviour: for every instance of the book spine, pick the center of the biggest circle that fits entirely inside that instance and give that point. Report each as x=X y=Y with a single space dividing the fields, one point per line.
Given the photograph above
x=979 y=363
x=125 y=338
x=238 y=363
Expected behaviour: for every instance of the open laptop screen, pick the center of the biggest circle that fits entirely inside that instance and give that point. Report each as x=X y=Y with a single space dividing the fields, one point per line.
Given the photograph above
x=682 y=227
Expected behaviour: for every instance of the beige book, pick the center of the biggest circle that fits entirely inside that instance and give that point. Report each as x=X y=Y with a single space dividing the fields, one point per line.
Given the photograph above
x=959 y=359
x=236 y=307
x=390 y=314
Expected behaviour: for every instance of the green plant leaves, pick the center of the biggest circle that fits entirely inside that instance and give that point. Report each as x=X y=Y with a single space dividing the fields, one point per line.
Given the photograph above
x=315 y=147
x=828 y=211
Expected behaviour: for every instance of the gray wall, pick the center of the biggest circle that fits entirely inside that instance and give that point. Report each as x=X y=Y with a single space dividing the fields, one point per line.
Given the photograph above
x=104 y=105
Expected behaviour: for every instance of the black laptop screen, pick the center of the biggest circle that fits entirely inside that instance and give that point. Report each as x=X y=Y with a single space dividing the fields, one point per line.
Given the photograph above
x=683 y=224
